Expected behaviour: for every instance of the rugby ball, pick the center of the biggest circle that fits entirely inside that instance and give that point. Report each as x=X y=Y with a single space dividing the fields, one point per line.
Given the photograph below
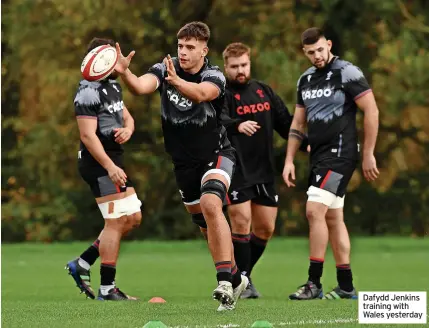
x=99 y=63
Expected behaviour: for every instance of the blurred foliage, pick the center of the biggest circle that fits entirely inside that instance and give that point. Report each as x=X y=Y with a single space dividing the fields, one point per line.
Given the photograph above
x=43 y=42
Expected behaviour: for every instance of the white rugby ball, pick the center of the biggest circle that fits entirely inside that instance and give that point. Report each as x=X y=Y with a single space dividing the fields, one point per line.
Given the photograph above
x=99 y=63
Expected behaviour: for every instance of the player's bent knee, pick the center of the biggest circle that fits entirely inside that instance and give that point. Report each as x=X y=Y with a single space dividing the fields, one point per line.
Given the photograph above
x=240 y=223
x=215 y=187
x=210 y=207
x=313 y=214
x=264 y=232
x=199 y=220
x=135 y=219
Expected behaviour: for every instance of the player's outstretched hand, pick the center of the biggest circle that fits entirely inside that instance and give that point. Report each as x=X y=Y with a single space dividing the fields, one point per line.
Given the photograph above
x=117 y=175
x=172 y=77
x=122 y=135
x=248 y=128
x=289 y=174
x=369 y=167
x=123 y=62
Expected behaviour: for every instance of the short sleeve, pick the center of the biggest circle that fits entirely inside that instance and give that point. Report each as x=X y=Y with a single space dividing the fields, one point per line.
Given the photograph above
x=299 y=100
x=87 y=102
x=354 y=82
x=158 y=70
x=216 y=77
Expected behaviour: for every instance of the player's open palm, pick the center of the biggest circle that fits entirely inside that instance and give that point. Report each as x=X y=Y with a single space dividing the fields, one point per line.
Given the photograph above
x=123 y=62
x=369 y=167
x=172 y=76
x=289 y=174
x=248 y=128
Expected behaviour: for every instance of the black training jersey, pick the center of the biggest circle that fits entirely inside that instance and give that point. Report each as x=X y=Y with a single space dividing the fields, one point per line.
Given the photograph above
x=328 y=96
x=254 y=101
x=101 y=101
x=192 y=131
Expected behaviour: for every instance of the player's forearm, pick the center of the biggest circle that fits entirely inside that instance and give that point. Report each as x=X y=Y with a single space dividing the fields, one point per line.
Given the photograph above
x=136 y=85
x=296 y=136
x=129 y=123
x=370 y=126
x=191 y=91
x=96 y=149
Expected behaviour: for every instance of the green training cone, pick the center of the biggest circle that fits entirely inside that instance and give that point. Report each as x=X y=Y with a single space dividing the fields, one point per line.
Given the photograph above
x=262 y=324
x=157 y=324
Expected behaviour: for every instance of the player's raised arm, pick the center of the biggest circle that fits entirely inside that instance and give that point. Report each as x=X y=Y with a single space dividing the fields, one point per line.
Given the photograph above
x=196 y=92
x=144 y=84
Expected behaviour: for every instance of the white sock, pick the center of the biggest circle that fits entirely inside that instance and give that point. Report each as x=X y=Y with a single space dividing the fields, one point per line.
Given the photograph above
x=84 y=264
x=104 y=289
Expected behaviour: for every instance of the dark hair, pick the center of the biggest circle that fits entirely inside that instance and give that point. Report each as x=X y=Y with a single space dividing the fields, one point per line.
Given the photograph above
x=197 y=30
x=311 y=35
x=96 y=42
x=236 y=49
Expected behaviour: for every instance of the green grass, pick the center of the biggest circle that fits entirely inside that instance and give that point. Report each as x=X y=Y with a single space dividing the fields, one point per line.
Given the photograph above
x=37 y=292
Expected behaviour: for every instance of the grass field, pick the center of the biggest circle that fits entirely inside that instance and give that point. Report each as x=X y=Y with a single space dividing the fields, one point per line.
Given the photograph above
x=37 y=292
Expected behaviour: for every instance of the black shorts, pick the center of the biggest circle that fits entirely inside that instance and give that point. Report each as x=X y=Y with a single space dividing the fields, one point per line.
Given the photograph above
x=98 y=180
x=332 y=174
x=261 y=194
x=189 y=177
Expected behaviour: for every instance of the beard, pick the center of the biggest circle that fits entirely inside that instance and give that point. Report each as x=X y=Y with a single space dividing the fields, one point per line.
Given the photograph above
x=326 y=60
x=236 y=80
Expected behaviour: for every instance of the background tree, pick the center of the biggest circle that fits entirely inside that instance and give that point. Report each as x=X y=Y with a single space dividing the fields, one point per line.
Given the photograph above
x=43 y=43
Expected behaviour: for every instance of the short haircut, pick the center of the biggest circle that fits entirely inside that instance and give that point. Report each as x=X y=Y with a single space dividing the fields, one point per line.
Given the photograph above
x=197 y=30
x=311 y=35
x=236 y=49
x=96 y=42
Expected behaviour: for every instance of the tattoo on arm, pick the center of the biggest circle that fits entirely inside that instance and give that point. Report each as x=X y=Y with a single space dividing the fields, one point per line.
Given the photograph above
x=296 y=134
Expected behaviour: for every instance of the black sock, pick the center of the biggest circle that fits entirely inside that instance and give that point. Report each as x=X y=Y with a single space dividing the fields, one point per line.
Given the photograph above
x=223 y=270
x=236 y=276
x=257 y=247
x=315 y=271
x=345 y=277
x=92 y=253
x=241 y=251
x=107 y=273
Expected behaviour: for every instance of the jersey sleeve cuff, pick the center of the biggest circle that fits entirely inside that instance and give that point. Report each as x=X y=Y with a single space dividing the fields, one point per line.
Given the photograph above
x=362 y=94
x=158 y=82
x=215 y=86
x=87 y=116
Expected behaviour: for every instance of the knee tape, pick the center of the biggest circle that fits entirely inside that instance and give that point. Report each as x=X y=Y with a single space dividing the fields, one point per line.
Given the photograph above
x=199 y=220
x=214 y=186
